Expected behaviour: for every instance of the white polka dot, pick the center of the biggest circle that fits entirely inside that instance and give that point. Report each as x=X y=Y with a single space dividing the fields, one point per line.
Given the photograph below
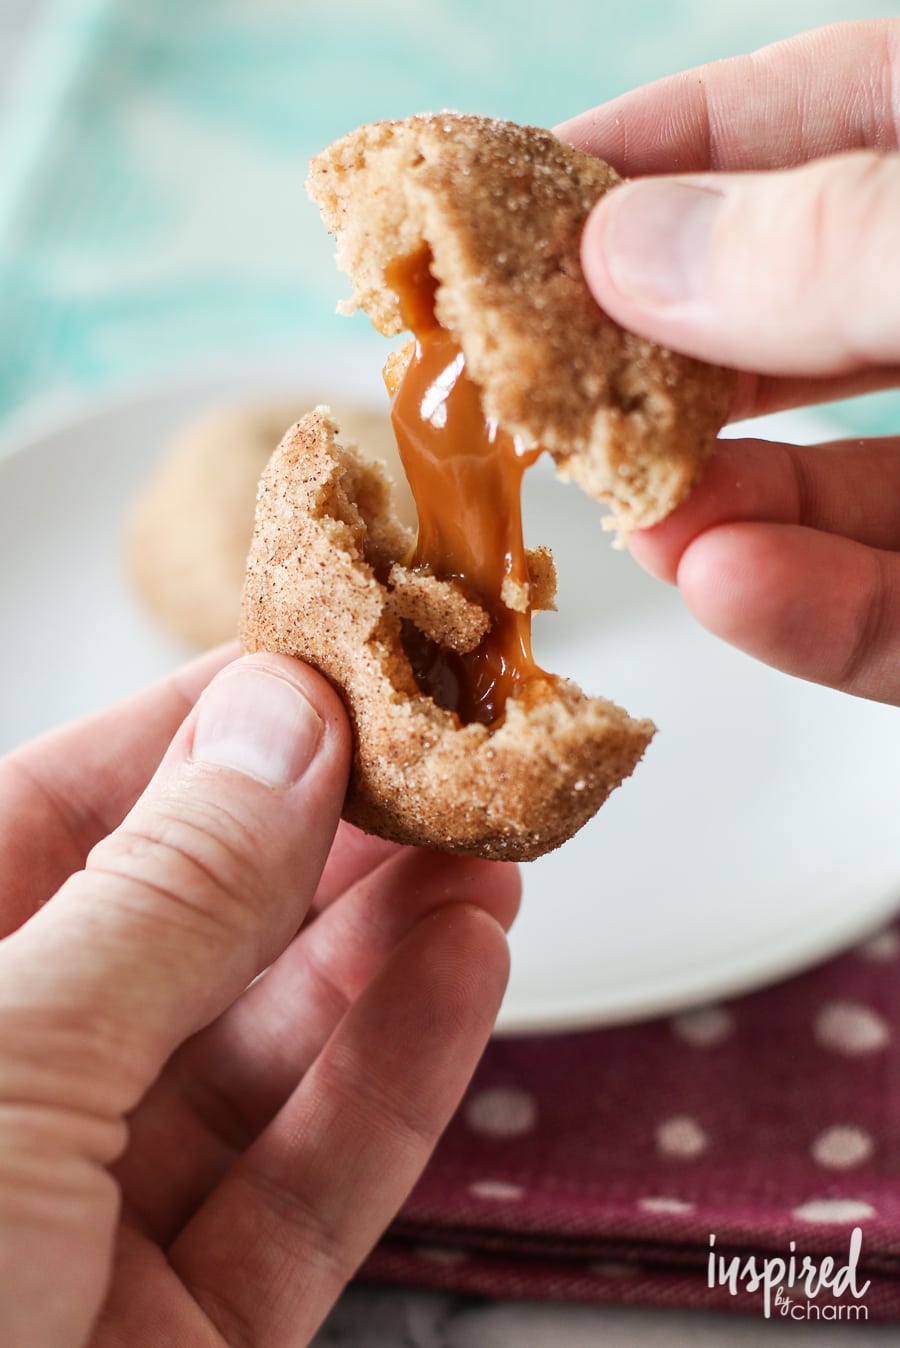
x=681 y=1136
x=834 y=1210
x=614 y=1268
x=663 y=1204
x=496 y=1189
x=842 y=1147
x=501 y=1112
x=441 y=1254
x=882 y=947
x=851 y=1028
x=704 y=1027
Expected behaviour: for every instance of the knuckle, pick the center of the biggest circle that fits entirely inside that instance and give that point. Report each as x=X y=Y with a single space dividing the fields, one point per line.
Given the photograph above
x=858 y=672
x=224 y=1308
x=197 y=858
x=403 y=1123
x=315 y=1237
x=808 y=255
x=324 y=980
x=851 y=212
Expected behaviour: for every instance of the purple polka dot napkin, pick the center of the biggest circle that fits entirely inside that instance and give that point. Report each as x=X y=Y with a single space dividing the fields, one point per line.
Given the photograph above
x=669 y=1163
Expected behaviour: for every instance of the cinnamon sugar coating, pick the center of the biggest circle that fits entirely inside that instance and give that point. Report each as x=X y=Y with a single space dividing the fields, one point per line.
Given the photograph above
x=325 y=559
x=501 y=208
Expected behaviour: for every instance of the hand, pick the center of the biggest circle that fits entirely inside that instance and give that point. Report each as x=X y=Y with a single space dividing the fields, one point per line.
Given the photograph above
x=789 y=270
x=186 y=1159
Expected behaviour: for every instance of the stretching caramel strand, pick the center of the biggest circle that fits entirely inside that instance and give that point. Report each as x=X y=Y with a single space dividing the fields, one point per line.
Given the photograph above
x=465 y=474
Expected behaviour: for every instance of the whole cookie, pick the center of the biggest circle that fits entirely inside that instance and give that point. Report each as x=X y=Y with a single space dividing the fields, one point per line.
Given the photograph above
x=190 y=528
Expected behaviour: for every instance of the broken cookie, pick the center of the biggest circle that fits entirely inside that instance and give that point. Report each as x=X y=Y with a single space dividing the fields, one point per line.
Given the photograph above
x=465 y=232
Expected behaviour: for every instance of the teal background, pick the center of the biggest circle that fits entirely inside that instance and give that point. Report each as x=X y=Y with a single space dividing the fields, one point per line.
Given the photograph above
x=152 y=213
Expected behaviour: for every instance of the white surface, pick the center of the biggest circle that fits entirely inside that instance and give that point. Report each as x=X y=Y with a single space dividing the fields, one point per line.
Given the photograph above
x=758 y=835
x=760 y=832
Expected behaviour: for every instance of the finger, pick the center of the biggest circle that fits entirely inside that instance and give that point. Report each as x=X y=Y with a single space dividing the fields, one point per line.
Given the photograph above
x=817 y=94
x=62 y=793
x=815 y=605
x=195 y=1119
x=253 y=1057
x=228 y=1082
x=786 y=273
x=758 y=394
x=850 y=488
x=354 y=855
x=201 y=887
x=269 y=1251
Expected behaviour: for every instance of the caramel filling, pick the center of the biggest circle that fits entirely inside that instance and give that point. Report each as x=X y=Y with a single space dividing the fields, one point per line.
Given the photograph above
x=466 y=476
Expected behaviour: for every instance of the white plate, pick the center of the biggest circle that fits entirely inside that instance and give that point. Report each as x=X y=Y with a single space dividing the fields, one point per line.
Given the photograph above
x=759 y=835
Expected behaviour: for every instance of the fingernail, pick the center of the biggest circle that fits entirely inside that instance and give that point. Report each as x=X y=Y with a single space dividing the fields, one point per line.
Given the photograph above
x=655 y=239
x=257 y=723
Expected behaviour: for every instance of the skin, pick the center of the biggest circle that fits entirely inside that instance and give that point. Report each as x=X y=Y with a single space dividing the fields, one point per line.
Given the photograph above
x=772 y=248
x=191 y=1156
x=184 y=1158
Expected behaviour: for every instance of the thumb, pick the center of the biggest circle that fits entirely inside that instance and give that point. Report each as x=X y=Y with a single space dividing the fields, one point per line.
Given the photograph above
x=786 y=273
x=205 y=881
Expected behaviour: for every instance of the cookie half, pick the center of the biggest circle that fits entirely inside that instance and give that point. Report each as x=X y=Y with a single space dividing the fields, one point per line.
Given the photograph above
x=501 y=208
x=326 y=582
